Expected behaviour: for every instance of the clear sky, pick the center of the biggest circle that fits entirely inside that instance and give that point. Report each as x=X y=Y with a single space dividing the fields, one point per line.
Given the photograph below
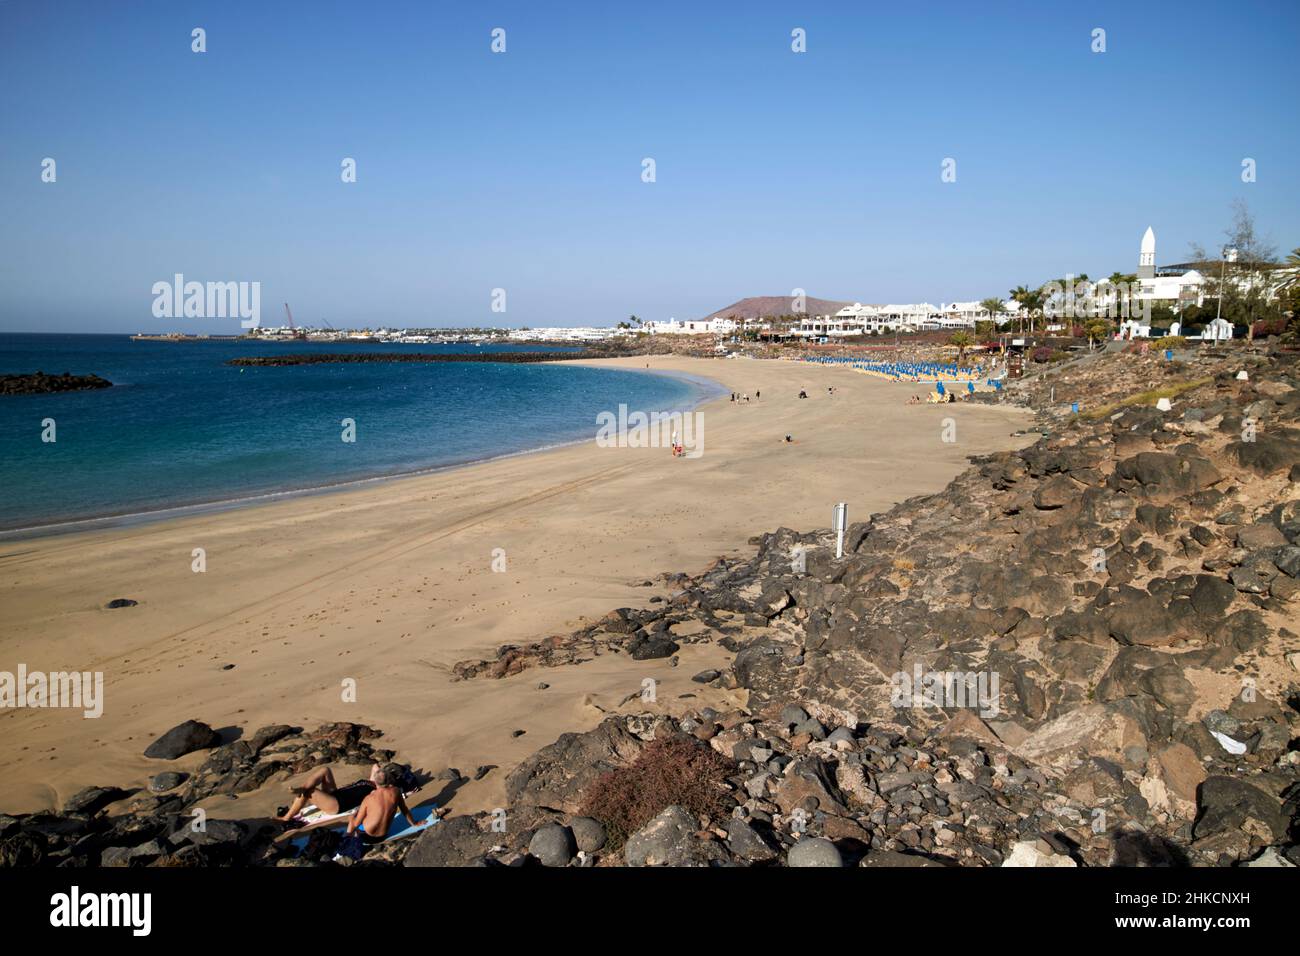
x=523 y=170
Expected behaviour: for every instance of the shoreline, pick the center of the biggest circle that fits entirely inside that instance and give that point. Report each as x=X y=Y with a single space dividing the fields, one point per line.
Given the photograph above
x=220 y=505
x=390 y=585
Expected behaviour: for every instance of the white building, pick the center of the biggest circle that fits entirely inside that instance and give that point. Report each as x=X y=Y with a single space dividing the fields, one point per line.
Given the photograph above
x=1219 y=330
x=717 y=326
x=855 y=319
x=917 y=315
x=1136 y=328
x=586 y=334
x=964 y=315
x=1178 y=286
x=859 y=319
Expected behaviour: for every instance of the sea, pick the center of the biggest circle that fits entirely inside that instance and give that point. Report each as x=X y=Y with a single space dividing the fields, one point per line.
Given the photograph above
x=181 y=430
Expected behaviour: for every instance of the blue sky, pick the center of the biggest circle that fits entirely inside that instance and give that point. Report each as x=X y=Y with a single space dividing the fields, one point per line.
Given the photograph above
x=522 y=170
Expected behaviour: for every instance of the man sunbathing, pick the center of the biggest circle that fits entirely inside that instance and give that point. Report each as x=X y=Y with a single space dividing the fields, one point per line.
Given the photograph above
x=371 y=820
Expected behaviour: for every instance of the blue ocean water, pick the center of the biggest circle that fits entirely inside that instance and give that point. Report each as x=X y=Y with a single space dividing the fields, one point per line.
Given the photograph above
x=180 y=427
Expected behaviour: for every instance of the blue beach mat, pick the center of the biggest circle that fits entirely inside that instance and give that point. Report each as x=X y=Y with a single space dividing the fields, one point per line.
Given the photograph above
x=423 y=814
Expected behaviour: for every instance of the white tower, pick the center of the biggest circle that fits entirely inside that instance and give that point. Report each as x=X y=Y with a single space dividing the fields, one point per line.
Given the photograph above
x=1147 y=255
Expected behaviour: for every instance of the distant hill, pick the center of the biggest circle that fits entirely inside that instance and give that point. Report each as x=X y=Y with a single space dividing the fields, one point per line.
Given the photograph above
x=769 y=306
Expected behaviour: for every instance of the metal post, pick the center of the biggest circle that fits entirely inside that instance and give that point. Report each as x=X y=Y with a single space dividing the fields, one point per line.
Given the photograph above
x=841 y=524
x=1223 y=275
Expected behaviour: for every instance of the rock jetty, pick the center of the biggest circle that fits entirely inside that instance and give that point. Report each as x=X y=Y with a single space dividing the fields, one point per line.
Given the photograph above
x=38 y=383
x=335 y=358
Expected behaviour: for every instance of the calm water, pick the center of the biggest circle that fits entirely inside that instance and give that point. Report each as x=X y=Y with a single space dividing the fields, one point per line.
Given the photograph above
x=181 y=427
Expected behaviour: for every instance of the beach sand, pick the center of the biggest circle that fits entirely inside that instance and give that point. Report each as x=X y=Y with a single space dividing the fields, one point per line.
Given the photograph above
x=392 y=583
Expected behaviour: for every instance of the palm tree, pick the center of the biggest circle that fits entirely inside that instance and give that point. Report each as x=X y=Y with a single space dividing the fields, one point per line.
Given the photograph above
x=963 y=341
x=1018 y=298
x=1034 y=305
x=1293 y=259
x=1031 y=300
x=993 y=306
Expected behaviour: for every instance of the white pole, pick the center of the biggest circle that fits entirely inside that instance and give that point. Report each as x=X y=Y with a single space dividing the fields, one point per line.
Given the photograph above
x=841 y=523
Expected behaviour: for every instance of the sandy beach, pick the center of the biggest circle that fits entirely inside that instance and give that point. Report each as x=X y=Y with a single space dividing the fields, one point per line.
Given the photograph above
x=391 y=584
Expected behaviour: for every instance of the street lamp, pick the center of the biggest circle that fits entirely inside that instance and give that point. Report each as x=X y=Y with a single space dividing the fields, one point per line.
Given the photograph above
x=1229 y=255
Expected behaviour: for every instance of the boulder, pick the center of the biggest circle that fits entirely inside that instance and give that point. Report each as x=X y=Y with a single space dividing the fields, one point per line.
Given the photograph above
x=1094 y=729
x=93 y=799
x=892 y=860
x=669 y=840
x=1211 y=596
x=1146 y=622
x=183 y=739
x=1253 y=537
x=1174 y=775
x=553 y=845
x=455 y=841
x=588 y=834
x=804 y=780
x=1167 y=474
x=814 y=852
x=1055 y=492
x=1271 y=451
x=1227 y=804
x=167 y=780
x=1036 y=853
x=556 y=775
x=1270 y=858
x=746 y=843
x=266 y=736
x=651 y=648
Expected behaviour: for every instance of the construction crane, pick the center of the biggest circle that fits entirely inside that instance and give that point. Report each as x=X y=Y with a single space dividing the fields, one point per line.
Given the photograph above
x=293 y=330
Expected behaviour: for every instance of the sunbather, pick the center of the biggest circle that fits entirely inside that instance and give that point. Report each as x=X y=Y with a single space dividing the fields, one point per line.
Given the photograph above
x=371 y=820
x=320 y=789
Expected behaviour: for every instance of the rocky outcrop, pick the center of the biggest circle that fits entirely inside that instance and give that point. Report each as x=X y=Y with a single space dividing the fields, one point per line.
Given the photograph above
x=1075 y=654
x=159 y=825
x=38 y=383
